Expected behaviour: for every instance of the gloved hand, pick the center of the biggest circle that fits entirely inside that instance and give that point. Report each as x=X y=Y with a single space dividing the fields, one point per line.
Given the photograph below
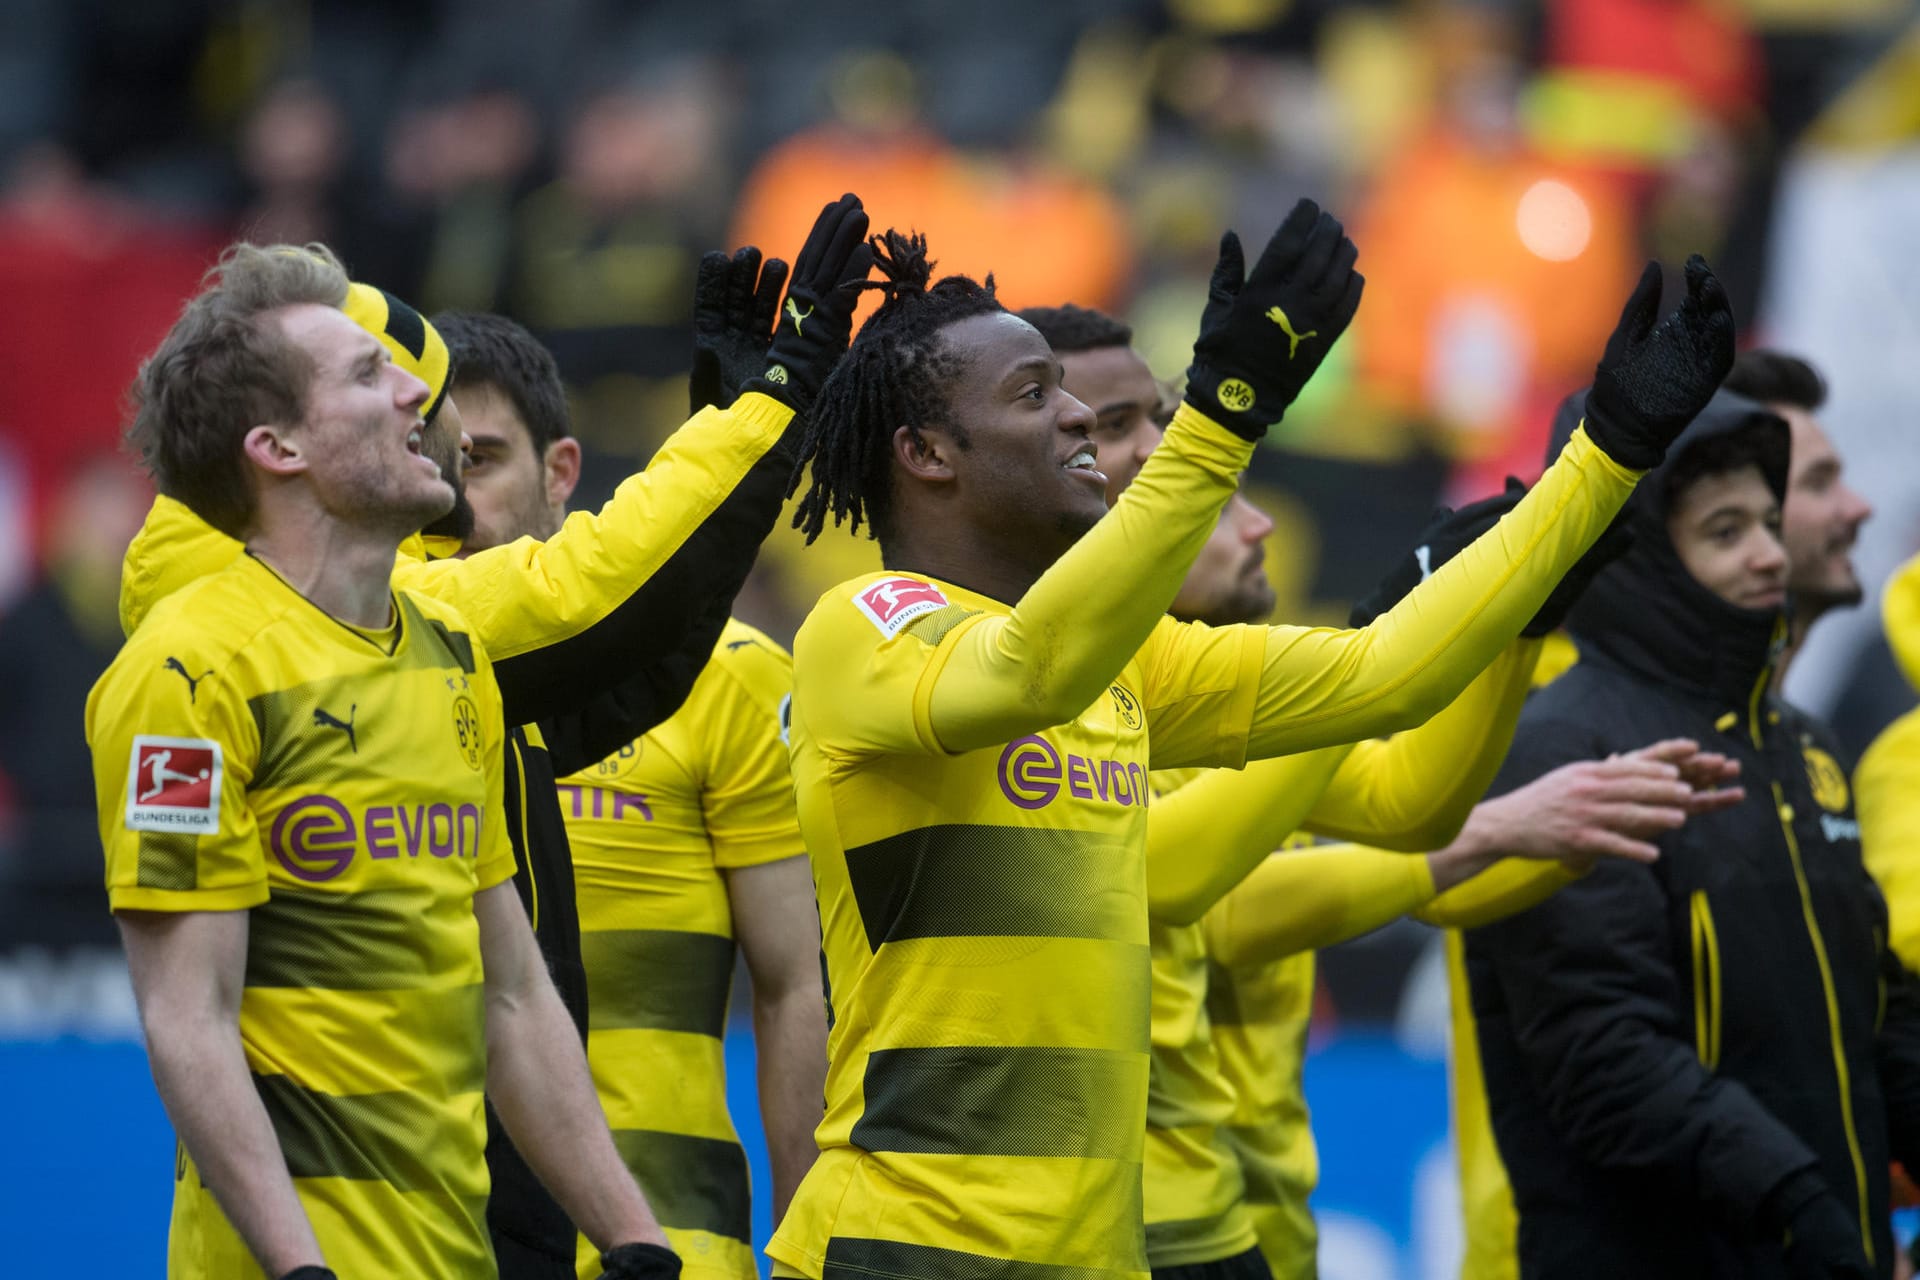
x=816 y=322
x=639 y=1262
x=735 y=304
x=1446 y=535
x=310 y=1273
x=1653 y=379
x=1262 y=338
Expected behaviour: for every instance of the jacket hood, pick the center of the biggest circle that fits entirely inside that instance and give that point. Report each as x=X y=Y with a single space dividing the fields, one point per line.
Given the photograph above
x=1645 y=613
x=1901 y=611
x=176 y=548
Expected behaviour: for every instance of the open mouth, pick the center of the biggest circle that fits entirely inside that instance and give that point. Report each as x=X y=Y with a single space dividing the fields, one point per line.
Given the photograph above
x=1082 y=460
x=415 y=438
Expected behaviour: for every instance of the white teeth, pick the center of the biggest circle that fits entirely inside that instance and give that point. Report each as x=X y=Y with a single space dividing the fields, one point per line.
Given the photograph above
x=1084 y=458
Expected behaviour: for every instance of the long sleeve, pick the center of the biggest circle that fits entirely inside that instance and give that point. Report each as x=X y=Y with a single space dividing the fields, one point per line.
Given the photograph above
x=1414 y=791
x=1302 y=688
x=1305 y=899
x=1506 y=888
x=1206 y=837
x=568 y=618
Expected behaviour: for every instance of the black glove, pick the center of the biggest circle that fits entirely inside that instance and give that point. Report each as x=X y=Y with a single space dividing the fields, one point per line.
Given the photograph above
x=735 y=303
x=1653 y=378
x=1446 y=535
x=816 y=322
x=639 y=1262
x=1262 y=339
x=310 y=1273
x=1822 y=1236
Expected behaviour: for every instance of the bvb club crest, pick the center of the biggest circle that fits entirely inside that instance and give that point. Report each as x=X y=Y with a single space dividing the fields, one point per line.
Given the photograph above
x=1829 y=782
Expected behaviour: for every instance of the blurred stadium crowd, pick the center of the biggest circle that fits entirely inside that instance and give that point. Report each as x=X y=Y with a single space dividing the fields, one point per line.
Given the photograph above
x=1504 y=168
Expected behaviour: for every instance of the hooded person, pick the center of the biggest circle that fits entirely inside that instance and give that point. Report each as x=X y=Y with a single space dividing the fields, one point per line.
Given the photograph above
x=1698 y=1068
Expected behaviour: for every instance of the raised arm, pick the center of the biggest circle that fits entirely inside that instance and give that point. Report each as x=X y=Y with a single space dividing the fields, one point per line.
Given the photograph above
x=637 y=582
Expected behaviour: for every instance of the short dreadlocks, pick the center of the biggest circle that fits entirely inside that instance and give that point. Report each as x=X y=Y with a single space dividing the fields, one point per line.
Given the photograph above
x=894 y=375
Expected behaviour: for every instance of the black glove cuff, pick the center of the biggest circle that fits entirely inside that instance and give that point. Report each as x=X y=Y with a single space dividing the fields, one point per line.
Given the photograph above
x=1621 y=440
x=310 y=1273
x=640 y=1262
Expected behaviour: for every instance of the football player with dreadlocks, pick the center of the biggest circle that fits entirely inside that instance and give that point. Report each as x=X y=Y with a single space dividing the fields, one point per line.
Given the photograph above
x=970 y=727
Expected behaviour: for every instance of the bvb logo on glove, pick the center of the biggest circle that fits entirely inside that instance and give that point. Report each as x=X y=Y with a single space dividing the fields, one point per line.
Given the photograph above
x=776 y=374
x=1235 y=395
x=1294 y=340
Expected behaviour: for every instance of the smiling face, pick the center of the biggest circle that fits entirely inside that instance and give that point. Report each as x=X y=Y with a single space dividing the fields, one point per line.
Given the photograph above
x=1016 y=465
x=1725 y=526
x=360 y=444
x=1821 y=520
x=1117 y=385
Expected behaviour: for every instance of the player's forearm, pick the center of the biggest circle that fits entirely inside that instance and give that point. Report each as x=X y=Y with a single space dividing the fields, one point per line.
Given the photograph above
x=1087 y=615
x=790 y=1043
x=1305 y=899
x=527 y=596
x=1323 y=686
x=1208 y=836
x=1416 y=790
x=538 y=1079
x=200 y=1070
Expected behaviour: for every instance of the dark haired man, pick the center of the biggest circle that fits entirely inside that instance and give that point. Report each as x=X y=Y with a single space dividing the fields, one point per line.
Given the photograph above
x=1702 y=1067
x=300 y=771
x=971 y=727
x=683 y=845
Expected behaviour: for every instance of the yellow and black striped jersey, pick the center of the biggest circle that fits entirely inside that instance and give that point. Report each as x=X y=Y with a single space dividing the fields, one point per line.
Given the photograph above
x=253 y=753
x=654 y=829
x=986 y=941
x=1260 y=1015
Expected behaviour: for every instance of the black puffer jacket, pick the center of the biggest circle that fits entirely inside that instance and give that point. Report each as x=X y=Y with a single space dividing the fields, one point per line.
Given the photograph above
x=1664 y=1046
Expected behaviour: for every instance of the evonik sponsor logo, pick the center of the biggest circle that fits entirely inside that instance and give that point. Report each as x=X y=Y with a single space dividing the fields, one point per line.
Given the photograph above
x=317 y=837
x=1032 y=774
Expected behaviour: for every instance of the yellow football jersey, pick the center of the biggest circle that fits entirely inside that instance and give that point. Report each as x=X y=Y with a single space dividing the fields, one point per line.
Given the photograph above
x=654 y=827
x=253 y=753
x=1260 y=1015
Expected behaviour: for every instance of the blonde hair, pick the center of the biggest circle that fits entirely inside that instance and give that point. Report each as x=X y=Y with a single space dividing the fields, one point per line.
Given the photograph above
x=220 y=372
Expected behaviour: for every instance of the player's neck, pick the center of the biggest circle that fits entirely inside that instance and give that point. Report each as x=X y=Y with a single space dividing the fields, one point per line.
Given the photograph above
x=345 y=571
x=982 y=569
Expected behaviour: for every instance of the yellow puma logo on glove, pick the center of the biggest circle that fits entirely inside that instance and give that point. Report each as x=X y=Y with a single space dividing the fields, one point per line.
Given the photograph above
x=1294 y=340
x=794 y=311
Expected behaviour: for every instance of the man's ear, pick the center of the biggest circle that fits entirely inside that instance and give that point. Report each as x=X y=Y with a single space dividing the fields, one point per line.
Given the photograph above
x=275 y=450
x=925 y=453
x=562 y=466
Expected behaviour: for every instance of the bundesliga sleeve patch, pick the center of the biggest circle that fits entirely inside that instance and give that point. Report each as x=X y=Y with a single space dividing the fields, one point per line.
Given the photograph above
x=891 y=603
x=173 y=784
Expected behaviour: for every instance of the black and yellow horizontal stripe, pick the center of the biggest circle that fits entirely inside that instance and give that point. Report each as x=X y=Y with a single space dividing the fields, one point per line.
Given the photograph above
x=660 y=979
x=995 y=1100
x=853 y=1258
x=694 y=1184
x=979 y=880
x=390 y=1137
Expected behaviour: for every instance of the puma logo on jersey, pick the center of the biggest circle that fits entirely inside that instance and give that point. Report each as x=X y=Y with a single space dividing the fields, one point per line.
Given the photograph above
x=1294 y=340
x=323 y=720
x=793 y=313
x=1423 y=556
x=193 y=682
